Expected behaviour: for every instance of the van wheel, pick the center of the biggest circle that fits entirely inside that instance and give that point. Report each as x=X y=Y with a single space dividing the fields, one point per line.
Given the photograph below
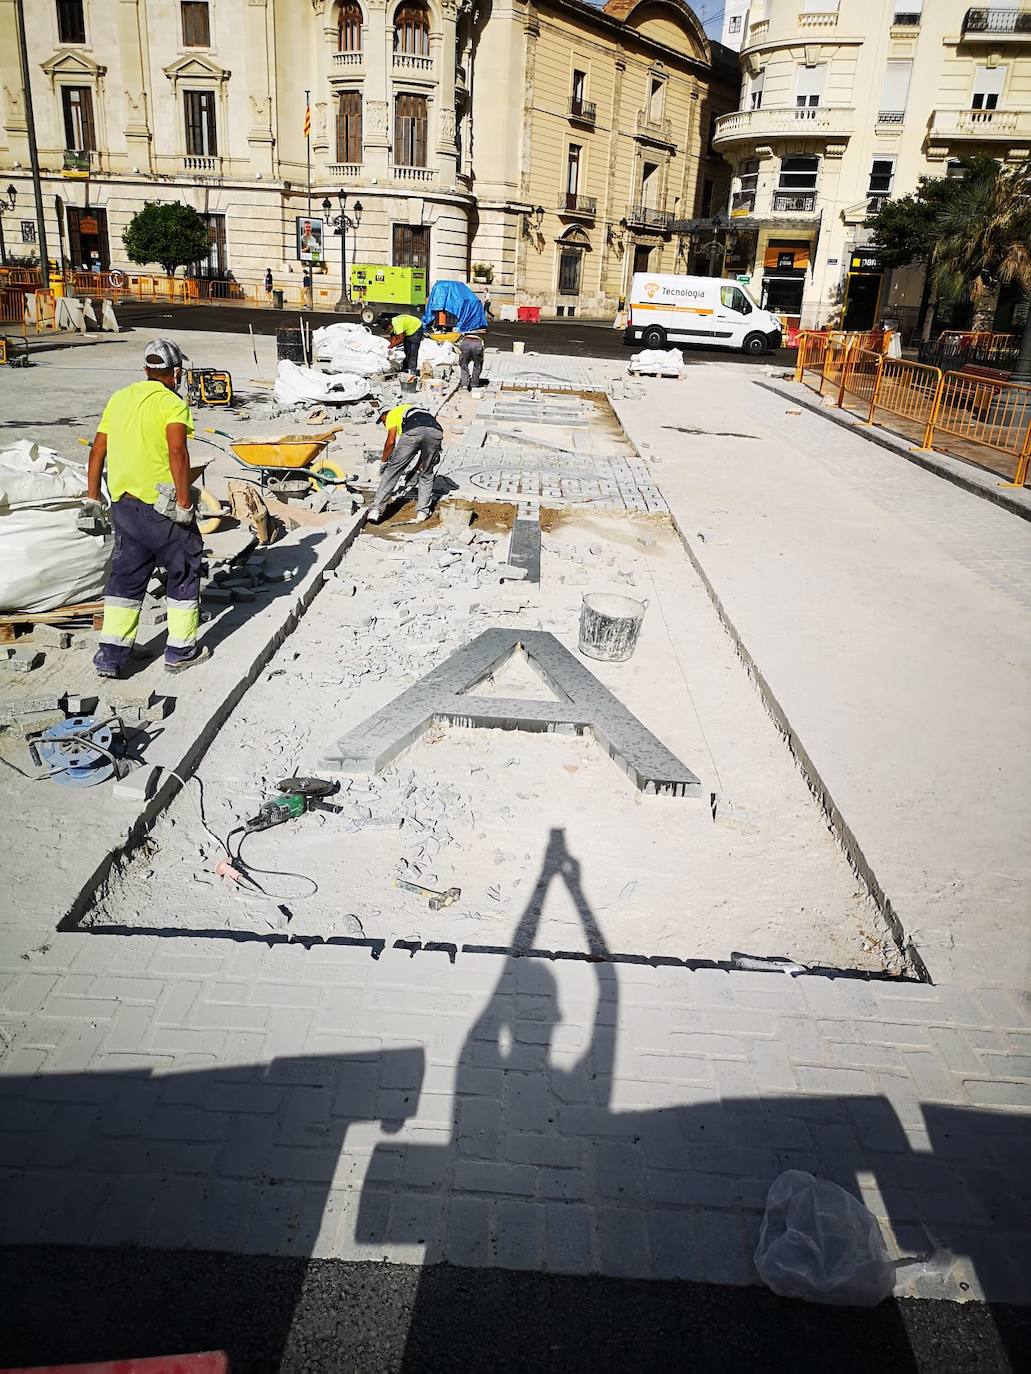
x=756 y=344
x=654 y=337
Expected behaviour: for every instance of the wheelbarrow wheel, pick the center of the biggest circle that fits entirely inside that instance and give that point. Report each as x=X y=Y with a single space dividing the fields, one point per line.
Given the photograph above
x=328 y=468
x=208 y=501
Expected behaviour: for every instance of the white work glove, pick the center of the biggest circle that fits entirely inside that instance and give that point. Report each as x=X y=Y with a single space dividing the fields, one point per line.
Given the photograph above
x=92 y=518
x=168 y=506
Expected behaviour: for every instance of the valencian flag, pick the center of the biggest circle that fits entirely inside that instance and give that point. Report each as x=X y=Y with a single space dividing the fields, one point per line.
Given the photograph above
x=307 y=121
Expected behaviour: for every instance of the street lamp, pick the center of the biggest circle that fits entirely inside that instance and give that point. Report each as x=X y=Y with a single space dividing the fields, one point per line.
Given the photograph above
x=340 y=225
x=12 y=196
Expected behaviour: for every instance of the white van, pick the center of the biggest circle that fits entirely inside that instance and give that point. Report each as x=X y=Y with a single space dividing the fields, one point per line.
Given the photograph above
x=665 y=309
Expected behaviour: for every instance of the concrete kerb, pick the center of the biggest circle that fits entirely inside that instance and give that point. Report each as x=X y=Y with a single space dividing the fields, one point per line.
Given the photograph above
x=980 y=483
x=846 y=838
x=271 y=626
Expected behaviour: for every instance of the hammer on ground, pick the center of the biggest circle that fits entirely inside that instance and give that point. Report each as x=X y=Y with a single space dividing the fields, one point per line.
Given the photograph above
x=437 y=900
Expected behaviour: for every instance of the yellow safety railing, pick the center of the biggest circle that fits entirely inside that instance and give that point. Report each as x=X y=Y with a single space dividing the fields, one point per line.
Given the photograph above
x=954 y=406
x=993 y=414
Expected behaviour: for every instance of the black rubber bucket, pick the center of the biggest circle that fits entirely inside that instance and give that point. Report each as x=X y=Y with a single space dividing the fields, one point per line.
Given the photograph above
x=290 y=346
x=609 y=626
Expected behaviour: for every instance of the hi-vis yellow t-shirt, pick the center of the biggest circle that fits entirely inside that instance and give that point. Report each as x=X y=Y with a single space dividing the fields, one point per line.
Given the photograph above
x=134 y=421
x=406 y=324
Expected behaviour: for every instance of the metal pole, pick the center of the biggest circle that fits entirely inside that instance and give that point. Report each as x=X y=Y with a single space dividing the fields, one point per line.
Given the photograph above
x=30 y=126
x=342 y=302
x=307 y=140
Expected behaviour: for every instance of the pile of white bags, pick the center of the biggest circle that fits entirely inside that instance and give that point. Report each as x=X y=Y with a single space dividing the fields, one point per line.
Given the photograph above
x=351 y=348
x=657 y=360
x=297 y=385
x=437 y=354
x=45 y=562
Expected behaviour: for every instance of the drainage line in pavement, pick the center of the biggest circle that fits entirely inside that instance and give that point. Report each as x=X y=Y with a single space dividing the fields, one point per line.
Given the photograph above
x=413 y=947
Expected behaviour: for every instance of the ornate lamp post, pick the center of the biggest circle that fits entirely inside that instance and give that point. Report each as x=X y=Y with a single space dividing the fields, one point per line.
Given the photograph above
x=340 y=224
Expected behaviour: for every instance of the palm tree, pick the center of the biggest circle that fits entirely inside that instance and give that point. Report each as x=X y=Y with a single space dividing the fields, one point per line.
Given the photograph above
x=984 y=239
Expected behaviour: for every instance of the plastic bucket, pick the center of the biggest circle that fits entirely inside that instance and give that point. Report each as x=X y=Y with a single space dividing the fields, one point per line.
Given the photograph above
x=609 y=626
x=518 y=346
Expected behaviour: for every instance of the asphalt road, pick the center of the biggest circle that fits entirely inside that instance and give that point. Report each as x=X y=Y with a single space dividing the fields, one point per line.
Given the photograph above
x=303 y=1316
x=590 y=339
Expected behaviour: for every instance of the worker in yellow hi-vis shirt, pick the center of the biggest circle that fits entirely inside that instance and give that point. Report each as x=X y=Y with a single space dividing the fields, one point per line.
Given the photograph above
x=407 y=330
x=142 y=440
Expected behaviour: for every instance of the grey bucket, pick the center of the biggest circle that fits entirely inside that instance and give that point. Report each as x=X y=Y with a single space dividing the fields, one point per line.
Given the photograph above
x=609 y=626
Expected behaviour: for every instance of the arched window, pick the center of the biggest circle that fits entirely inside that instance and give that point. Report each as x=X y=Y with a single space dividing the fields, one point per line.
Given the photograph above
x=349 y=27
x=412 y=30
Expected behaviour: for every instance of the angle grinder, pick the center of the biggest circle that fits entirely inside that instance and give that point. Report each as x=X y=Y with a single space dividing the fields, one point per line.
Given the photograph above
x=298 y=795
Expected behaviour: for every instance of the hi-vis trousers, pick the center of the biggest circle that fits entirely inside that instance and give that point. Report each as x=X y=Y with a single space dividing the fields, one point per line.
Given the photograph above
x=145 y=540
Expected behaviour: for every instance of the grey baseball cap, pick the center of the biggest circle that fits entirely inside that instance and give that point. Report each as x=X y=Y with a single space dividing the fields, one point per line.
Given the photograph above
x=162 y=353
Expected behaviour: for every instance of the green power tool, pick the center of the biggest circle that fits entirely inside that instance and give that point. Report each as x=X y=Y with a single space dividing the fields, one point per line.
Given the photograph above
x=298 y=796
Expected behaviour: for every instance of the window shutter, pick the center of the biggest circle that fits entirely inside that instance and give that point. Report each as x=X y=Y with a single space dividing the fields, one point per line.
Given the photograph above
x=896 y=86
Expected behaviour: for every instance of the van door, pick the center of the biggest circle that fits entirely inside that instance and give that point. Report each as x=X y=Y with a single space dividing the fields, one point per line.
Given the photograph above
x=732 y=312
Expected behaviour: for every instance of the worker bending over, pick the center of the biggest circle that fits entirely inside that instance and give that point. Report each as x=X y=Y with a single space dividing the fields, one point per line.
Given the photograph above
x=410 y=431
x=470 y=360
x=406 y=330
x=142 y=439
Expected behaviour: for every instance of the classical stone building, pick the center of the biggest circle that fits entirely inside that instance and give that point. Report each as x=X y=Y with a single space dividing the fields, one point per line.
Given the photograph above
x=554 y=141
x=846 y=103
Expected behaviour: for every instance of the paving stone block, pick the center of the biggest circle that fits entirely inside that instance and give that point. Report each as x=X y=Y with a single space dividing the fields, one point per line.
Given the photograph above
x=997 y=1093
x=520 y=1235
x=569 y=1185
x=618 y=1169
x=416 y=1224
x=469 y=1232
x=569 y=1231
x=546 y=1150
x=623 y=1243
x=492 y=1176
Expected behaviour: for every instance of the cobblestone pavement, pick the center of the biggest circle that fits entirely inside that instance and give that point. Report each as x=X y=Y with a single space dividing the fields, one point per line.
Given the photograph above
x=257 y=1096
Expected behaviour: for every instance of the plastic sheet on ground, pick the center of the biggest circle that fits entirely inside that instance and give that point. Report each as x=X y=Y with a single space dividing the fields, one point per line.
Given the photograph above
x=45 y=561
x=657 y=360
x=296 y=385
x=351 y=348
x=437 y=354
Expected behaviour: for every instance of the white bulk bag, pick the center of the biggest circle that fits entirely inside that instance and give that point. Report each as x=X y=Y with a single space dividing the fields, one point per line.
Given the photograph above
x=296 y=385
x=45 y=561
x=351 y=348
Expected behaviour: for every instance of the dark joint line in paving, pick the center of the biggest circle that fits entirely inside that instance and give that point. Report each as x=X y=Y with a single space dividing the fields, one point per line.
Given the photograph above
x=441 y=697
x=452 y=952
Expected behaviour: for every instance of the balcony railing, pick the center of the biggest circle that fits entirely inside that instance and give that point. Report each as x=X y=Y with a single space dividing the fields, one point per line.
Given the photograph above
x=743 y=200
x=758 y=30
x=890 y=116
x=348 y=59
x=344 y=171
x=981 y=125
x=795 y=202
x=997 y=21
x=575 y=204
x=818 y=19
x=408 y=62
x=813 y=121
x=876 y=202
x=78 y=160
x=414 y=174
x=194 y=163
x=906 y=19
x=659 y=130
x=583 y=111
x=648 y=217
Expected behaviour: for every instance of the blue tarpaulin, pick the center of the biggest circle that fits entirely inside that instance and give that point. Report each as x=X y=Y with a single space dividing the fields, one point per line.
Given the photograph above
x=458 y=300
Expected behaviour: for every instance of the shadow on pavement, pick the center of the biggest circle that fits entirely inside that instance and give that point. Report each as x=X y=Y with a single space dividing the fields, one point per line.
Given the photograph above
x=242 y=1186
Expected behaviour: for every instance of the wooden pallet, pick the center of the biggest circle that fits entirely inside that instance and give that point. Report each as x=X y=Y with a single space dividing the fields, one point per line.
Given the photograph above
x=86 y=613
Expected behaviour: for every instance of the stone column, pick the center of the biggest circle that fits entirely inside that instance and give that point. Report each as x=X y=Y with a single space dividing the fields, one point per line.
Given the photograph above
x=132 y=51
x=444 y=68
x=376 y=114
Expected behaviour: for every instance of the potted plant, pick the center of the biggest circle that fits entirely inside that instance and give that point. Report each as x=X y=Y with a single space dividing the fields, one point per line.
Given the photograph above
x=483 y=273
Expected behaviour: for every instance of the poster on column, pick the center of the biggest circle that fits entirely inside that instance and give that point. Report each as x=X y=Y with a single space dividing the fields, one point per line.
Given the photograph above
x=309 y=238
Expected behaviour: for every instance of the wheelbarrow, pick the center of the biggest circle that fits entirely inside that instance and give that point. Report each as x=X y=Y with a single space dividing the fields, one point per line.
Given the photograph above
x=292 y=456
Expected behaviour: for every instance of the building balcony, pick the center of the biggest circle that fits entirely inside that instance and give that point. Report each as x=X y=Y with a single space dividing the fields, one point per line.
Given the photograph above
x=980 y=126
x=758 y=31
x=349 y=61
x=895 y=117
x=794 y=202
x=651 y=130
x=645 y=217
x=905 y=19
x=997 y=23
x=742 y=202
x=824 y=122
x=414 y=66
x=583 y=111
x=575 y=204
x=202 y=166
x=876 y=202
x=423 y=174
x=344 y=171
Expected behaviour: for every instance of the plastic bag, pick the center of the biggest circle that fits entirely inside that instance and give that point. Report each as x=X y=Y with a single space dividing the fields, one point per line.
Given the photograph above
x=296 y=385
x=45 y=560
x=819 y=1243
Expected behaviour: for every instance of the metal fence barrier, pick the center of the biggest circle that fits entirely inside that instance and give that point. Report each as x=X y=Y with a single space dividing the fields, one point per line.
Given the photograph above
x=952 y=411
